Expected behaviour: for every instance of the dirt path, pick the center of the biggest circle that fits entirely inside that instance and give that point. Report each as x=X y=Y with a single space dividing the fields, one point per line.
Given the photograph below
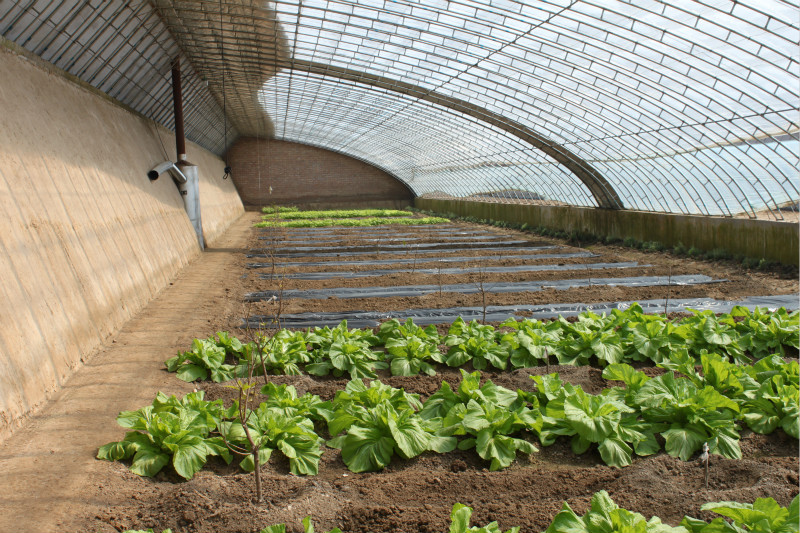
x=47 y=468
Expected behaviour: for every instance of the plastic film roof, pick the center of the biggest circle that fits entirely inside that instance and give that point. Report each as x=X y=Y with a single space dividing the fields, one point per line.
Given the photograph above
x=681 y=106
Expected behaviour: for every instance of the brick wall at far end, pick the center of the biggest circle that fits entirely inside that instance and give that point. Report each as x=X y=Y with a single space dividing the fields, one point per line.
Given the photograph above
x=268 y=172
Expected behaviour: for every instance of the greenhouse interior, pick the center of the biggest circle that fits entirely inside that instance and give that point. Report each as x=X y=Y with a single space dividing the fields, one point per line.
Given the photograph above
x=400 y=266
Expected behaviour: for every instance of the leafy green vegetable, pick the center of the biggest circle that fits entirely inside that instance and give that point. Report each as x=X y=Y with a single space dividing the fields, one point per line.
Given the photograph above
x=283 y=353
x=693 y=416
x=204 y=360
x=459 y=522
x=341 y=350
x=604 y=516
x=393 y=329
x=379 y=433
x=337 y=213
x=353 y=358
x=489 y=414
x=356 y=401
x=283 y=398
x=473 y=342
x=764 y=333
x=604 y=419
x=532 y=342
x=279 y=209
x=271 y=430
x=169 y=431
x=764 y=515
x=409 y=356
x=587 y=338
x=350 y=222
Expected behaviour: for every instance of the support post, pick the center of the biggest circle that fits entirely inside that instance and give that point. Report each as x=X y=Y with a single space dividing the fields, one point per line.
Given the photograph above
x=177 y=100
x=190 y=191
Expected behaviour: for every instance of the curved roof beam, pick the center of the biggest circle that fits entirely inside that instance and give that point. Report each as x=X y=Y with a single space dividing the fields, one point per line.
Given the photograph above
x=599 y=187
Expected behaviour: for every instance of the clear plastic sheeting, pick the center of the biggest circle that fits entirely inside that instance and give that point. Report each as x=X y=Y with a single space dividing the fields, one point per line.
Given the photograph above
x=489 y=287
x=124 y=49
x=497 y=313
x=414 y=260
x=317 y=276
x=419 y=251
x=684 y=106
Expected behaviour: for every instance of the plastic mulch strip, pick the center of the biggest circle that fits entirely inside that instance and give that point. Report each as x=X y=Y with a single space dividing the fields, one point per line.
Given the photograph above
x=369 y=319
x=318 y=276
x=338 y=252
x=412 y=260
x=491 y=287
x=392 y=247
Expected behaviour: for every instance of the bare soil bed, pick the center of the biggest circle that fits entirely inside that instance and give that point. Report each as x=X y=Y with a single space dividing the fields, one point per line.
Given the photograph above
x=417 y=495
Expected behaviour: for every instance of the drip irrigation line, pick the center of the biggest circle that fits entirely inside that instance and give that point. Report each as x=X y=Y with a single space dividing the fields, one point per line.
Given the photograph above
x=474 y=288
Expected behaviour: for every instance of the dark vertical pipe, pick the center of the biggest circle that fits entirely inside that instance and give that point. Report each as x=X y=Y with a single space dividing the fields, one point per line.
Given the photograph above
x=177 y=100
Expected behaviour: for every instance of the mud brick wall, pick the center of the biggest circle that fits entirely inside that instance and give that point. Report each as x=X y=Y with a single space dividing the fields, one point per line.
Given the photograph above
x=269 y=172
x=775 y=241
x=86 y=240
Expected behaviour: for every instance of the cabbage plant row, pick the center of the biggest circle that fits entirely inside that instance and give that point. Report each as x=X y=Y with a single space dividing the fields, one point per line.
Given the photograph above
x=741 y=336
x=765 y=515
x=372 y=423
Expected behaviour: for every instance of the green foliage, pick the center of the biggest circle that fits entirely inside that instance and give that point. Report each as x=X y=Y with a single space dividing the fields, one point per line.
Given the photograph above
x=622 y=336
x=705 y=332
x=356 y=400
x=272 y=430
x=764 y=333
x=279 y=209
x=321 y=339
x=284 y=399
x=393 y=329
x=347 y=356
x=589 y=337
x=349 y=222
x=282 y=354
x=631 y=242
x=372 y=440
x=489 y=415
x=410 y=356
x=338 y=213
x=169 y=431
x=459 y=522
x=473 y=342
x=764 y=515
x=604 y=516
x=605 y=420
x=205 y=360
x=379 y=422
x=532 y=341
x=692 y=415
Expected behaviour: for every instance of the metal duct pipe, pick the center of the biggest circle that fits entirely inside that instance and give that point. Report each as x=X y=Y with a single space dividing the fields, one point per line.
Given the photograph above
x=174 y=171
x=177 y=100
